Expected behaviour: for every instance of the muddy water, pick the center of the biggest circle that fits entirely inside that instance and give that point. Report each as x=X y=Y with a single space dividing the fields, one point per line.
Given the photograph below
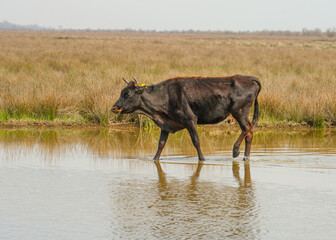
x=102 y=184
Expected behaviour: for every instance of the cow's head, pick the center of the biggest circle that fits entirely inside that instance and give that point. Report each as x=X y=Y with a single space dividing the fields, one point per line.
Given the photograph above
x=130 y=98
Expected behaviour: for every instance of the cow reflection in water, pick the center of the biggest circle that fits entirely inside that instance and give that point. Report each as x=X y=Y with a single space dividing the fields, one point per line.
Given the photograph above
x=163 y=184
x=246 y=183
x=201 y=207
x=213 y=210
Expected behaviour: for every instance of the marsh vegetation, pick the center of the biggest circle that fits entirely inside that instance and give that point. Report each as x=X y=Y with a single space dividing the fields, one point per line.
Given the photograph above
x=76 y=76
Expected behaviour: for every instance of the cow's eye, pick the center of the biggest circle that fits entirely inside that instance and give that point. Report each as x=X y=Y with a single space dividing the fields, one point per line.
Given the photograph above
x=126 y=95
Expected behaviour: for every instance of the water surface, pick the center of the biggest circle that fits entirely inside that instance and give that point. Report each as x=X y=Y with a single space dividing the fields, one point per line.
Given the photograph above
x=102 y=184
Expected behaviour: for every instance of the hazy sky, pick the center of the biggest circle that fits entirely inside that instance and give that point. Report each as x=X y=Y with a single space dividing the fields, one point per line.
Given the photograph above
x=237 y=15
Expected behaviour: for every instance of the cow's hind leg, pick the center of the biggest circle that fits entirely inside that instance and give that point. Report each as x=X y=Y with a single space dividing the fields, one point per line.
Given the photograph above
x=246 y=127
x=248 y=143
x=162 y=143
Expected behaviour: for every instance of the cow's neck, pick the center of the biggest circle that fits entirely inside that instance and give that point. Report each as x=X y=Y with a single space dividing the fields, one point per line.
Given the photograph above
x=154 y=105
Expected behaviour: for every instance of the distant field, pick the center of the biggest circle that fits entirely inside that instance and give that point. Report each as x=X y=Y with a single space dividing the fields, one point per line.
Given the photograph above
x=76 y=76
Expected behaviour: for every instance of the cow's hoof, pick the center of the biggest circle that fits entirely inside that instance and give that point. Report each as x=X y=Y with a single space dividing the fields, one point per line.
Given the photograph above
x=246 y=158
x=235 y=153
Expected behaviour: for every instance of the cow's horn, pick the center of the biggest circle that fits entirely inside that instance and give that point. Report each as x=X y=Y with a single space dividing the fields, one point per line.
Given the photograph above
x=136 y=81
x=125 y=80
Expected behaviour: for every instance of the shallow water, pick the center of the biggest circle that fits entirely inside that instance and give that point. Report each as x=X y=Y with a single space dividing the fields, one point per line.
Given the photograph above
x=102 y=184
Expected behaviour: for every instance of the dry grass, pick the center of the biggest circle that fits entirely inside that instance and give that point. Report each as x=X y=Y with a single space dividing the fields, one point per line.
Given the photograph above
x=77 y=76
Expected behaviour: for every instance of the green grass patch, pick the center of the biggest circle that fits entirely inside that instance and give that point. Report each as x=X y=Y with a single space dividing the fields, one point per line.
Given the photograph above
x=316 y=121
x=4 y=116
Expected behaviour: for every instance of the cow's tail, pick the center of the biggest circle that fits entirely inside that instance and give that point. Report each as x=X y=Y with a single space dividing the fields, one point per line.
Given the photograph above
x=256 y=104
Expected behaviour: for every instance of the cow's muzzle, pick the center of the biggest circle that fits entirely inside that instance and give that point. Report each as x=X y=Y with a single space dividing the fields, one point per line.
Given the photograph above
x=116 y=109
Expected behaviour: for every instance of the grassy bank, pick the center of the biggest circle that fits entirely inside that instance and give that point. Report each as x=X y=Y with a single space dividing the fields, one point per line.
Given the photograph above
x=76 y=77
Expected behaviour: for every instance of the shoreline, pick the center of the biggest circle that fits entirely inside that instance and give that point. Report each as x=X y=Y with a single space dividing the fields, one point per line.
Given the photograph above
x=40 y=124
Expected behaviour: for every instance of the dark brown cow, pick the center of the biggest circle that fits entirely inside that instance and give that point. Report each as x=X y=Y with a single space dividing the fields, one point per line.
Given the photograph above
x=184 y=102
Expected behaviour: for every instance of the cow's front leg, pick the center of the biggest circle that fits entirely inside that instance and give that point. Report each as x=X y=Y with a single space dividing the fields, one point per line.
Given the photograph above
x=195 y=139
x=162 y=143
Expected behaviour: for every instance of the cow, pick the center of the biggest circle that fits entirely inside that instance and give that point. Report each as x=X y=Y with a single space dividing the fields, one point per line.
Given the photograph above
x=184 y=102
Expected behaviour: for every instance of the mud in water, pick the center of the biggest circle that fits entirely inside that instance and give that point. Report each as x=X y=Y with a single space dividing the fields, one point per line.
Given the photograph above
x=102 y=184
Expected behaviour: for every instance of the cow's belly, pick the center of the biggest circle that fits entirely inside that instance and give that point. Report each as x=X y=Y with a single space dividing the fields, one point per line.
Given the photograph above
x=212 y=115
x=212 y=118
x=211 y=110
